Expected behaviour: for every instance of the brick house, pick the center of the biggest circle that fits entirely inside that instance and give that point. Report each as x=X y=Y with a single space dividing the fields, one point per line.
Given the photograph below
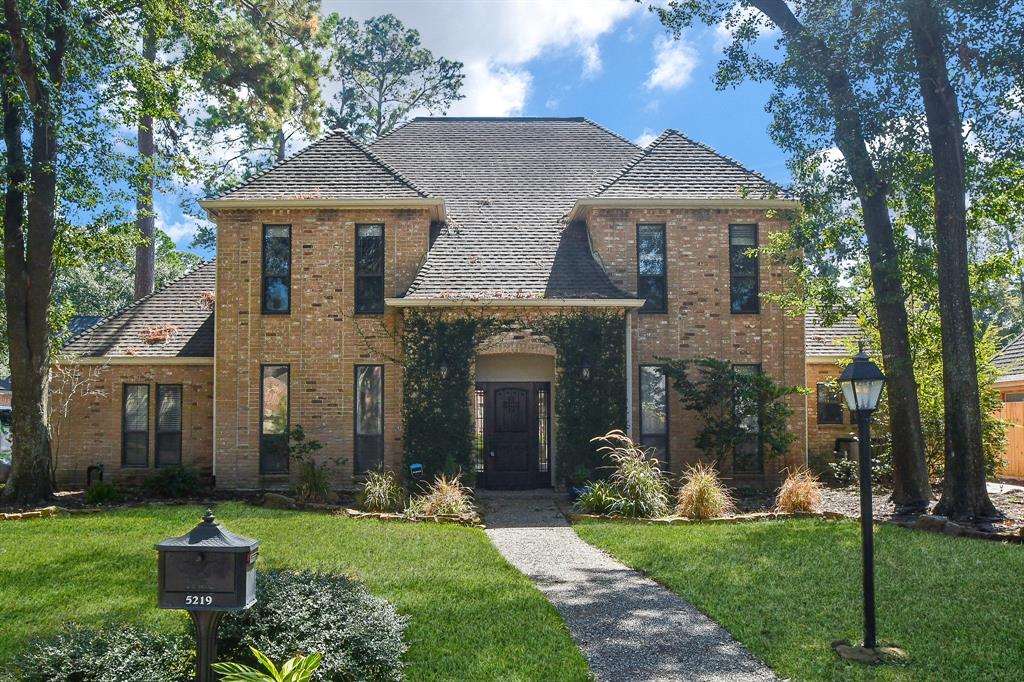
x=324 y=253
x=828 y=418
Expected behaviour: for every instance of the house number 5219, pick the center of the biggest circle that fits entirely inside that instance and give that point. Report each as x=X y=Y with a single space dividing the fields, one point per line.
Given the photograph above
x=198 y=600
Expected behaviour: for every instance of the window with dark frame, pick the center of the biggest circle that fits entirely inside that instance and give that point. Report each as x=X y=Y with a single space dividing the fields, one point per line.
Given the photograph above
x=369 y=418
x=275 y=385
x=543 y=441
x=748 y=457
x=135 y=426
x=369 y=268
x=277 y=269
x=168 y=424
x=830 y=404
x=650 y=267
x=743 y=270
x=480 y=396
x=654 y=411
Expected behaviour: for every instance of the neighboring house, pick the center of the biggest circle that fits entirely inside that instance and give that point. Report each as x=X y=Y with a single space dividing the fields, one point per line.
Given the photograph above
x=1010 y=362
x=5 y=392
x=488 y=215
x=828 y=418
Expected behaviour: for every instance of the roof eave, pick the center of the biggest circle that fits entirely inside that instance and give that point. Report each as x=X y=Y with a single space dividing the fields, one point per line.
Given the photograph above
x=436 y=204
x=514 y=302
x=581 y=206
x=133 y=360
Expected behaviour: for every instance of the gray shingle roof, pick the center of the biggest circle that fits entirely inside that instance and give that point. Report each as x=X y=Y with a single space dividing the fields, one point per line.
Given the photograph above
x=334 y=167
x=829 y=341
x=1011 y=358
x=675 y=167
x=177 y=303
x=507 y=183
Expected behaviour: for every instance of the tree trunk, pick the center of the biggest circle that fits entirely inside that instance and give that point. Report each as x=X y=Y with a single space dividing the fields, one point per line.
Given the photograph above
x=280 y=144
x=964 y=496
x=912 y=490
x=145 y=219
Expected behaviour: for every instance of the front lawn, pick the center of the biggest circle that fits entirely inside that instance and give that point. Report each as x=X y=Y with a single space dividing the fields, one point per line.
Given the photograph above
x=472 y=616
x=786 y=589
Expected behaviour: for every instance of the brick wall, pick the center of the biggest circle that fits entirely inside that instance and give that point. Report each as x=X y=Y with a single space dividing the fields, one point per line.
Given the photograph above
x=321 y=339
x=698 y=322
x=90 y=431
x=821 y=438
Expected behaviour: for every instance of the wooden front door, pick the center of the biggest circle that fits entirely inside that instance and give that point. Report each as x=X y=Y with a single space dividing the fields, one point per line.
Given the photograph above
x=512 y=435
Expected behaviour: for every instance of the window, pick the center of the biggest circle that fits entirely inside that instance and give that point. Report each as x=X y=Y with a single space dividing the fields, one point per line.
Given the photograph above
x=543 y=447
x=277 y=269
x=274 y=418
x=369 y=268
x=654 y=411
x=743 y=266
x=830 y=404
x=369 y=415
x=135 y=425
x=478 y=418
x=650 y=267
x=747 y=458
x=168 y=424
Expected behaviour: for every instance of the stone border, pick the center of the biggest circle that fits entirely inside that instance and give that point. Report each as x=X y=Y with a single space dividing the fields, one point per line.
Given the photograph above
x=472 y=521
x=930 y=523
x=573 y=517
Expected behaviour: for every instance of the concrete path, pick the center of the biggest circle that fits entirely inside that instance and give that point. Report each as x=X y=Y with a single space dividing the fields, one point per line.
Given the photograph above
x=628 y=627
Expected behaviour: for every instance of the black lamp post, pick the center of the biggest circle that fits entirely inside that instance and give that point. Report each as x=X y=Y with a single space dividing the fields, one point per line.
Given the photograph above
x=862 y=384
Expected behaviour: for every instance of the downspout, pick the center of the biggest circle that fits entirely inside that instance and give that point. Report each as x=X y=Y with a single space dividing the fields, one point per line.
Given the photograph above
x=629 y=373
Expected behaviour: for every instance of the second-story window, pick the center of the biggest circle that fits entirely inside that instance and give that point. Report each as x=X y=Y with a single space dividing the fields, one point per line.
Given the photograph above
x=369 y=268
x=743 y=266
x=650 y=267
x=277 y=269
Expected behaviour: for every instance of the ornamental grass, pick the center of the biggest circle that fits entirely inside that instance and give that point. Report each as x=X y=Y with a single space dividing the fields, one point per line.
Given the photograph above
x=800 y=492
x=703 y=495
x=444 y=497
x=381 y=492
x=637 y=487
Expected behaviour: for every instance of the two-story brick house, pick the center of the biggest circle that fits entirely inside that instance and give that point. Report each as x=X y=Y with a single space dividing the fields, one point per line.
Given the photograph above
x=340 y=241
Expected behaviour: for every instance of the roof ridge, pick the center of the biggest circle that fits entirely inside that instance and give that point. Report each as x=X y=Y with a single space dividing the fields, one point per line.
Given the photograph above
x=610 y=132
x=391 y=132
x=140 y=301
x=381 y=162
x=277 y=164
x=728 y=159
x=511 y=119
x=1008 y=345
x=640 y=156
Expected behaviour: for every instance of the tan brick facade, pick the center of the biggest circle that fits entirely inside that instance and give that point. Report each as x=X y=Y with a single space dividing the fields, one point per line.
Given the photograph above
x=699 y=322
x=90 y=430
x=321 y=339
x=821 y=438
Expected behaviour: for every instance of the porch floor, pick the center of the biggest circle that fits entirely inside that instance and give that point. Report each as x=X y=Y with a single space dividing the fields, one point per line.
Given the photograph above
x=627 y=626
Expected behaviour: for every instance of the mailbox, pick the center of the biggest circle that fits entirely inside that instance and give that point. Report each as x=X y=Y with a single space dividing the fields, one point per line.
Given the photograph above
x=207 y=569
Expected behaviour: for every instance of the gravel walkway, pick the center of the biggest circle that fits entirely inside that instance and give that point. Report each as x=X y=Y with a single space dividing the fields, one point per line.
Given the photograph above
x=628 y=627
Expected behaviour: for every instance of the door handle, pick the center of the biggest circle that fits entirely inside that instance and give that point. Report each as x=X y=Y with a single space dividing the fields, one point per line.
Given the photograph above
x=492 y=453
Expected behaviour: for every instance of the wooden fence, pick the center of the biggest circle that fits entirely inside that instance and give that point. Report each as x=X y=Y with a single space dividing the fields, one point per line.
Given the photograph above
x=1013 y=413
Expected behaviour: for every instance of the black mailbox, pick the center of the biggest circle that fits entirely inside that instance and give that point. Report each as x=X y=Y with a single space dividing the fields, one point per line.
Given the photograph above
x=208 y=569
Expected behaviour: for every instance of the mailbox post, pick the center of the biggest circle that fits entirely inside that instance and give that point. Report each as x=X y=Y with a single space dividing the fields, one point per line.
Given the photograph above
x=207 y=572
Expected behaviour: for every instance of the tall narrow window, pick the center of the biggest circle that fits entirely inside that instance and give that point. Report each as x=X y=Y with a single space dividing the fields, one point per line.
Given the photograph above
x=274 y=418
x=168 y=424
x=135 y=425
x=369 y=268
x=650 y=267
x=654 y=411
x=543 y=446
x=748 y=456
x=480 y=397
x=743 y=267
x=369 y=450
x=830 y=404
x=277 y=269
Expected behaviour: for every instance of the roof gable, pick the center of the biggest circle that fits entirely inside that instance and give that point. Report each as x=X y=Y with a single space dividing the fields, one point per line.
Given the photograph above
x=829 y=341
x=336 y=167
x=675 y=167
x=1011 y=358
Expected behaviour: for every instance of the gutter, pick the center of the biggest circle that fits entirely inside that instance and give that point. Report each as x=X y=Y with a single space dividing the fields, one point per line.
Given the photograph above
x=582 y=206
x=436 y=204
x=514 y=302
x=130 y=360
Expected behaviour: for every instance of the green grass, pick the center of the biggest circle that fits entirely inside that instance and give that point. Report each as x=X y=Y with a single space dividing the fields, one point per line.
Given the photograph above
x=786 y=589
x=472 y=616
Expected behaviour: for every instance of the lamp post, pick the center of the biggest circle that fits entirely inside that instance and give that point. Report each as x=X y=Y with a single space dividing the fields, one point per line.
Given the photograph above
x=862 y=384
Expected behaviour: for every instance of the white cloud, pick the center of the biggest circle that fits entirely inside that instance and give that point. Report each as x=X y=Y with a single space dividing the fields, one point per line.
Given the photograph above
x=674 y=62
x=645 y=138
x=496 y=40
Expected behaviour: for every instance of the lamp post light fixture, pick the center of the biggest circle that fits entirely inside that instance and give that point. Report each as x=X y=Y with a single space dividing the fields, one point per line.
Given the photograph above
x=585 y=371
x=442 y=369
x=862 y=382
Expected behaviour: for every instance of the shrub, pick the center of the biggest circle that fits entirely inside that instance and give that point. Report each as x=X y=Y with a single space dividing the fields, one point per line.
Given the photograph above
x=298 y=669
x=102 y=493
x=358 y=635
x=637 y=487
x=703 y=495
x=445 y=496
x=314 y=478
x=847 y=471
x=381 y=492
x=175 y=482
x=800 y=492
x=113 y=653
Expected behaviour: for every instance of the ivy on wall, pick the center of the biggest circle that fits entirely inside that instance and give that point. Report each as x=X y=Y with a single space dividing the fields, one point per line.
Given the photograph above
x=437 y=413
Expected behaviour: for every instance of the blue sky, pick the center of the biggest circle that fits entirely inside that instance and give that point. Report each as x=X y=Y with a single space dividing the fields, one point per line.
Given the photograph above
x=608 y=60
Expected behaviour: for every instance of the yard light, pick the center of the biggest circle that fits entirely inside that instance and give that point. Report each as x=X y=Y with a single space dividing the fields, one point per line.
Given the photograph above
x=442 y=369
x=585 y=371
x=862 y=384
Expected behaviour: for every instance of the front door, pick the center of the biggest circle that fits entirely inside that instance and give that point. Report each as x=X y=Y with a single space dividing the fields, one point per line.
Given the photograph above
x=512 y=435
